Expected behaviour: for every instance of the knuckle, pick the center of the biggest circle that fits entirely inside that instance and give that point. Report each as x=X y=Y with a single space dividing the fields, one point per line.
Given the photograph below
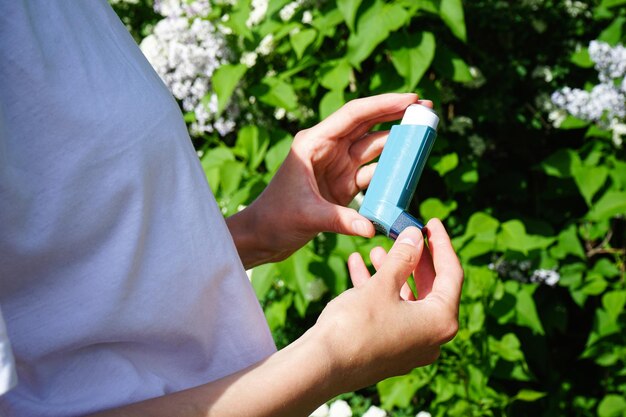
x=301 y=135
x=448 y=329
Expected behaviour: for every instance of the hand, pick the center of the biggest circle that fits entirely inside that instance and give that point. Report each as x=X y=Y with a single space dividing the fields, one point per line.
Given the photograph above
x=326 y=167
x=378 y=329
x=368 y=333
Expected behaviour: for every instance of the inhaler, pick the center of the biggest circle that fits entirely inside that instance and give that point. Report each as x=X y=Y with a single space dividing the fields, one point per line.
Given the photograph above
x=398 y=172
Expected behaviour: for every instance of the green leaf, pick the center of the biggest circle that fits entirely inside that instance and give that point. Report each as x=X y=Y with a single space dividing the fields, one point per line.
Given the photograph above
x=446 y=163
x=508 y=348
x=610 y=204
x=589 y=180
x=561 y=164
x=476 y=317
x=301 y=40
x=581 y=58
x=572 y=122
x=224 y=81
x=262 y=279
x=348 y=9
x=276 y=92
x=331 y=102
x=398 y=391
x=412 y=55
x=295 y=273
x=335 y=75
x=480 y=282
x=277 y=154
x=450 y=65
x=613 y=302
x=612 y=405
x=373 y=27
x=231 y=173
x=252 y=143
x=451 y=12
x=435 y=208
x=529 y=395
x=618 y=173
x=613 y=34
x=605 y=268
x=612 y=3
x=527 y=311
x=276 y=312
x=479 y=237
x=513 y=236
x=212 y=161
x=568 y=243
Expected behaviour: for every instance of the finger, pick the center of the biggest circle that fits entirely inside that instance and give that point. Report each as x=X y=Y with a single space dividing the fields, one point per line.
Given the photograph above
x=449 y=273
x=368 y=147
x=338 y=219
x=424 y=274
x=377 y=256
x=426 y=103
x=364 y=112
x=358 y=271
x=402 y=258
x=364 y=175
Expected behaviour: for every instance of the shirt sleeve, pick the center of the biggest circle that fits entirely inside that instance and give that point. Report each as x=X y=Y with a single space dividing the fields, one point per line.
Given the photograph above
x=8 y=377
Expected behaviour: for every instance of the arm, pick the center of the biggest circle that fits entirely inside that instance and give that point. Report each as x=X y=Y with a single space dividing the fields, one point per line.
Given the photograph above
x=325 y=168
x=365 y=335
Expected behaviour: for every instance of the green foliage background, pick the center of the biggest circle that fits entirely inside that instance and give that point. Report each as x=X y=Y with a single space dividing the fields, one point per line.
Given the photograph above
x=514 y=192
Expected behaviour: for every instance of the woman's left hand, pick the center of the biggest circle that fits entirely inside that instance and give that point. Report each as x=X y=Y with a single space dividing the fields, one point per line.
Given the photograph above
x=325 y=168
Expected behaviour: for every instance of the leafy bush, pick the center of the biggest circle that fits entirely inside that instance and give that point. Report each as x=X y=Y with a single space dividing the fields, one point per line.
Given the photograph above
x=536 y=203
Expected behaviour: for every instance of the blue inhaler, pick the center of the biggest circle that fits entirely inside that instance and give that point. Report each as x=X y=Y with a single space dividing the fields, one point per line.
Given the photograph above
x=398 y=172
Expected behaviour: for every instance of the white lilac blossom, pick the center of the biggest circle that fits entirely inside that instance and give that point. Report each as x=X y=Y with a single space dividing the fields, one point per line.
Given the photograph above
x=185 y=50
x=307 y=17
x=423 y=414
x=545 y=276
x=577 y=8
x=266 y=45
x=290 y=9
x=340 y=408
x=522 y=271
x=374 y=411
x=605 y=103
x=619 y=131
x=321 y=411
x=610 y=62
x=258 y=9
x=178 y=8
x=248 y=59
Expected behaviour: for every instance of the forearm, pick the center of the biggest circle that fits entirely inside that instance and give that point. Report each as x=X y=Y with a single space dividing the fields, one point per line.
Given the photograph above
x=291 y=383
x=252 y=241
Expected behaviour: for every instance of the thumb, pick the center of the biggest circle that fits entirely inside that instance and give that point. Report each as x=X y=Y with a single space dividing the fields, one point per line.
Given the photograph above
x=403 y=258
x=344 y=220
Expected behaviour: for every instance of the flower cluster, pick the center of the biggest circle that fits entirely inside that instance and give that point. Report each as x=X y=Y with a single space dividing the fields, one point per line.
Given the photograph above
x=522 y=271
x=185 y=50
x=605 y=103
x=340 y=408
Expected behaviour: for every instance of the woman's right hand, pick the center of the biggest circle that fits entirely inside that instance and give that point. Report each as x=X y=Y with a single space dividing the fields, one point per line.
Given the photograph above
x=378 y=329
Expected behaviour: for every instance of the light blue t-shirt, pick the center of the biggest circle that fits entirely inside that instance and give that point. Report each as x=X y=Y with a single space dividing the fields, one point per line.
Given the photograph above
x=119 y=280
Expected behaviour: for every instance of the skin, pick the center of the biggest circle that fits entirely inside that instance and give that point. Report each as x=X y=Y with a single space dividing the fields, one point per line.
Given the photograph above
x=376 y=329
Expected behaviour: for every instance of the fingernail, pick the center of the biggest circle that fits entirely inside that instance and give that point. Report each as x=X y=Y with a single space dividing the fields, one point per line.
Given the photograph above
x=359 y=227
